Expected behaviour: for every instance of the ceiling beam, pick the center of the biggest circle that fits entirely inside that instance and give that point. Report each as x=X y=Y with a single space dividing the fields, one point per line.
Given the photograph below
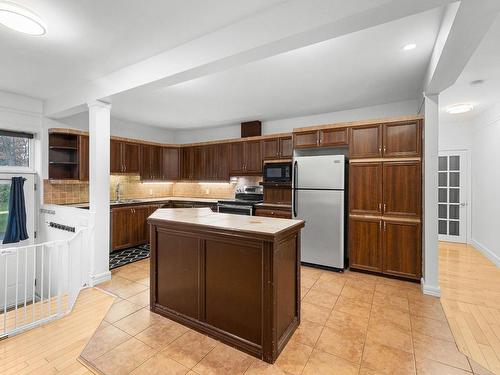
x=285 y=27
x=463 y=28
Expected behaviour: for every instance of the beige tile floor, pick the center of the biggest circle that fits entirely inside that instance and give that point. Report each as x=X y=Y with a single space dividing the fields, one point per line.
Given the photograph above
x=352 y=323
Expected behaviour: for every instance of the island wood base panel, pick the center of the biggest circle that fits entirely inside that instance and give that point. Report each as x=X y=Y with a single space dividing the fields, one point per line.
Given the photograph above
x=241 y=288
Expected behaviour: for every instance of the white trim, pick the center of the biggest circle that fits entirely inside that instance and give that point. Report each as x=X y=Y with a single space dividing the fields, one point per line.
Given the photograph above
x=486 y=252
x=430 y=290
x=100 y=278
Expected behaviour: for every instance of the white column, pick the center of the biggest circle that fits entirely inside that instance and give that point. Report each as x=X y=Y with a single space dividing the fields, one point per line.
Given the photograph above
x=99 y=129
x=430 y=281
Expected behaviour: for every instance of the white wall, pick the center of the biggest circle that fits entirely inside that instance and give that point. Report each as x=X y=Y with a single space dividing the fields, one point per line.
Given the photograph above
x=286 y=125
x=485 y=173
x=119 y=128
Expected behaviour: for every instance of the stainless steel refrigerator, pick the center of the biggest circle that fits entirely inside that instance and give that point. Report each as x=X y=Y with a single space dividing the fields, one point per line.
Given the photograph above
x=318 y=199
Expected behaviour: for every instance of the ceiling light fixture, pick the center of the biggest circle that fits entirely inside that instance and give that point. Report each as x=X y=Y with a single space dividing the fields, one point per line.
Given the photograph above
x=409 y=47
x=21 y=19
x=459 y=108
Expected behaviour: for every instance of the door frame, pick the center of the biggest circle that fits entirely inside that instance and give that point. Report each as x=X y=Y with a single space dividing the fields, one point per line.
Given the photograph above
x=465 y=154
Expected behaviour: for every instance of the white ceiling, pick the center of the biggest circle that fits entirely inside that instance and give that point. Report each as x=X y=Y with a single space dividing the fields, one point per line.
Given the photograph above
x=360 y=69
x=483 y=65
x=91 y=38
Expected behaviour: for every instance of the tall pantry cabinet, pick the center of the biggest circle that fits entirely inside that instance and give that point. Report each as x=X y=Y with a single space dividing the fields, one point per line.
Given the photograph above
x=385 y=198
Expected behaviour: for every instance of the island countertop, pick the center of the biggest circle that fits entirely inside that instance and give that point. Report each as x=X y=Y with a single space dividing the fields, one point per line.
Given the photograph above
x=229 y=222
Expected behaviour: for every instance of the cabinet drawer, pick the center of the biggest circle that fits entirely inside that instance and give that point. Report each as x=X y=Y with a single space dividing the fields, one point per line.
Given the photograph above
x=282 y=214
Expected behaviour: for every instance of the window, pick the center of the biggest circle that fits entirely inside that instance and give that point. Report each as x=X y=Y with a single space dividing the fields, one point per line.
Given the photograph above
x=4 y=206
x=15 y=149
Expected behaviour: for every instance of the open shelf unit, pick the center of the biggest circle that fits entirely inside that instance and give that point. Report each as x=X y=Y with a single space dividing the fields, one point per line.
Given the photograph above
x=63 y=156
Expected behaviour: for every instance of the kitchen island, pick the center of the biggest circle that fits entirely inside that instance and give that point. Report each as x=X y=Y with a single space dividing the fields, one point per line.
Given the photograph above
x=233 y=277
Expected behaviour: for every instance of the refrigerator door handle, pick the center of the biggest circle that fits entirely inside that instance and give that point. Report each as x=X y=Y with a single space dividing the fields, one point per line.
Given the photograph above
x=294 y=202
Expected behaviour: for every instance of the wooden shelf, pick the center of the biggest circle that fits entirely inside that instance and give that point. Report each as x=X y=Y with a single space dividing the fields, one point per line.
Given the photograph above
x=63 y=148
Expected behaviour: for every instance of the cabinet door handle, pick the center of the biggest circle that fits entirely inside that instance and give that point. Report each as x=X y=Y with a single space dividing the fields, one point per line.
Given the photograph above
x=380 y=224
x=384 y=149
x=385 y=226
x=380 y=207
x=384 y=207
x=379 y=149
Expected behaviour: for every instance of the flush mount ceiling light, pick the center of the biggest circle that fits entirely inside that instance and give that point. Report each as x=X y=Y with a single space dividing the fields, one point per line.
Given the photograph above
x=459 y=108
x=409 y=47
x=21 y=19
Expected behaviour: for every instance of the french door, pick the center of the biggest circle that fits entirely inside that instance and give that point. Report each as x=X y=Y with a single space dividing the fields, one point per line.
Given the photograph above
x=452 y=196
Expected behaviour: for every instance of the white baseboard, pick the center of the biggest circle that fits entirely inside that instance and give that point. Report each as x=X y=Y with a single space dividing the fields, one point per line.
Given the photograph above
x=486 y=252
x=100 y=278
x=430 y=290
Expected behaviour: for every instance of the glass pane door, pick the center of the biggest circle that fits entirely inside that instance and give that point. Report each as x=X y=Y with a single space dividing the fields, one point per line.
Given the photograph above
x=452 y=205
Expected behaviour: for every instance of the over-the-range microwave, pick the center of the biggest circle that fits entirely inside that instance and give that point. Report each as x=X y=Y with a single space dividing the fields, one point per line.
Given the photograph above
x=278 y=172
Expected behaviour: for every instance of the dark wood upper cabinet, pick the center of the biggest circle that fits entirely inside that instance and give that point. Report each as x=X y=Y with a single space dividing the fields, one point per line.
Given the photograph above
x=402 y=139
x=306 y=139
x=402 y=249
x=277 y=148
x=246 y=158
x=253 y=157
x=84 y=161
x=286 y=147
x=333 y=137
x=130 y=157
x=124 y=157
x=222 y=162
x=365 y=142
x=171 y=163
x=115 y=156
x=187 y=167
x=402 y=184
x=270 y=148
x=365 y=188
x=237 y=158
x=365 y=244
x=145 y=159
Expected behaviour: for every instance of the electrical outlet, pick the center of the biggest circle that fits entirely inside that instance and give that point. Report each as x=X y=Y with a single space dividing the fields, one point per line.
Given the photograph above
x=150 y=192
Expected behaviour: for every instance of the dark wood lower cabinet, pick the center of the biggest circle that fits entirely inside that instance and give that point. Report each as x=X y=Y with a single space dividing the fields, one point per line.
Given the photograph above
x=365 y=244
x=390 y=247
x=402 y=249
x=129 y=225
x=242 y=288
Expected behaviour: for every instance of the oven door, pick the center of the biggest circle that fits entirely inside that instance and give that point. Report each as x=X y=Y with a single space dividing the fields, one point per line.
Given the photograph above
x=235 y=209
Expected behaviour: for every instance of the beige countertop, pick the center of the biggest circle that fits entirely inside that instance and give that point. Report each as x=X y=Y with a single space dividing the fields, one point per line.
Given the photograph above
x=206 y=217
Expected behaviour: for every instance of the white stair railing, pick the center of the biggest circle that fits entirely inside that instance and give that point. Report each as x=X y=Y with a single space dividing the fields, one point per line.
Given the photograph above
x=40 y=282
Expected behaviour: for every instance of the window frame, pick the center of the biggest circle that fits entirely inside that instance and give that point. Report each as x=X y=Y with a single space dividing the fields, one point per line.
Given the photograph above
x=31 y=157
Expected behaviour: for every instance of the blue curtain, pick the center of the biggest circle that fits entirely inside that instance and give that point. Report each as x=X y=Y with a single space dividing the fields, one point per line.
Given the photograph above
x=16 y=222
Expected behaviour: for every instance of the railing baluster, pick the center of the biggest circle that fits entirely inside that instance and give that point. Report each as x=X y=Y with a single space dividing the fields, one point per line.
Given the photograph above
x=5 y=297
x=41 y=282
x=59 y=281
x=25 y=282
x=50 y=279
x=17 y=289
x=33 y=299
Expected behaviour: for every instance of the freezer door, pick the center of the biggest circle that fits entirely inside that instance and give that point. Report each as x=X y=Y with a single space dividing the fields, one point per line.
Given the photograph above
x=319 y=172
x=322 y=239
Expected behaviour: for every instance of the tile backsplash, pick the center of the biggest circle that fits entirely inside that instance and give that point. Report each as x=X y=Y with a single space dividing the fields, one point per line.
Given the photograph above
x=72 y=192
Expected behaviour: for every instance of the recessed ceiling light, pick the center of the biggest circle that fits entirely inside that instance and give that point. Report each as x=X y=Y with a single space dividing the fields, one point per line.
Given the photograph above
x=21 y=19
x=409 y=47
x=459 y=108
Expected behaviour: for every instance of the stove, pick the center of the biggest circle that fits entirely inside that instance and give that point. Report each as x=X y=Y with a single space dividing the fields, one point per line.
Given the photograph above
x=246 y=198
